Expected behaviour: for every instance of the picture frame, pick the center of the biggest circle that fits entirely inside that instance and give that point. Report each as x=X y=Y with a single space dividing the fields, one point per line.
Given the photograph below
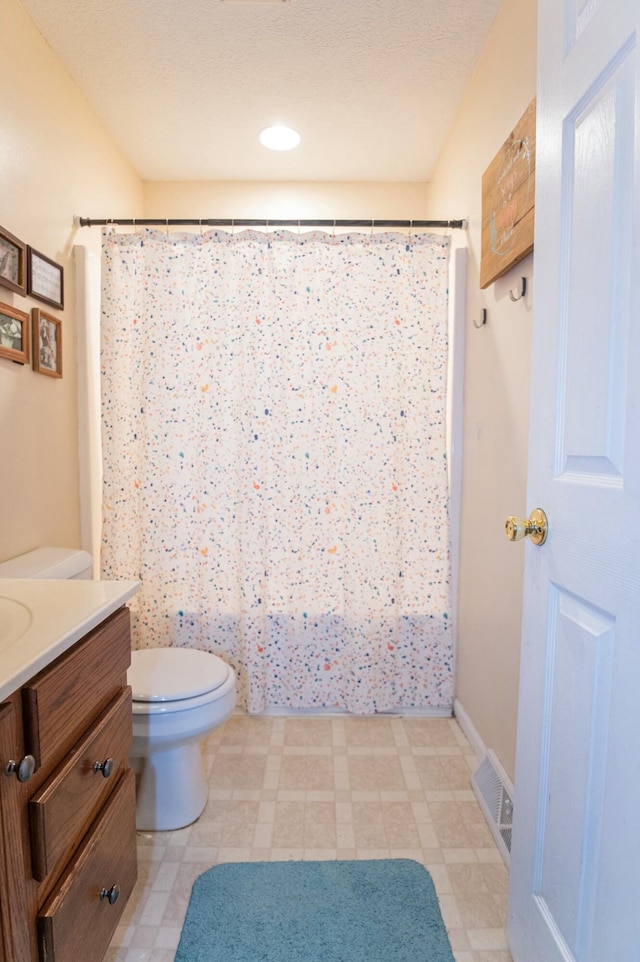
x=47 y=343
x=14 y=334
x=12 y=262
x=45 y=279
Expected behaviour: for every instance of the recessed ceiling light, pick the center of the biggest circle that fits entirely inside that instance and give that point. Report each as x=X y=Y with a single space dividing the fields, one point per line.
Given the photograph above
x=279 y=138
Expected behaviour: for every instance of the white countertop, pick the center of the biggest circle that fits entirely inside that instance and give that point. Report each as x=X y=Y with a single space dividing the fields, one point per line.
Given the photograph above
x=40 y=619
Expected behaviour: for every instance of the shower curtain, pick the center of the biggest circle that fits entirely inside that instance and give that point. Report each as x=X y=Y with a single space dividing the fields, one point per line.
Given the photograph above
x=273 y=428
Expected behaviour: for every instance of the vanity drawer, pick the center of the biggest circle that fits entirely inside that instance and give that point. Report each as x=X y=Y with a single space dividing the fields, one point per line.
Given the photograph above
x=62 y=811
x=77 y=921
x=60 y=703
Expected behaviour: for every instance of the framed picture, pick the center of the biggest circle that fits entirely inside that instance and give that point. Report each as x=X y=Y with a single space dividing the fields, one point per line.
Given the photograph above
x=14 y=334
x=44 y=279
x=12 y=262
x=47 y=343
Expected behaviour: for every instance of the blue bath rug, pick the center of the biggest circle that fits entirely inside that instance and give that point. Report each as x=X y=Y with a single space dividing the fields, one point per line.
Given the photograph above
x=383 y=910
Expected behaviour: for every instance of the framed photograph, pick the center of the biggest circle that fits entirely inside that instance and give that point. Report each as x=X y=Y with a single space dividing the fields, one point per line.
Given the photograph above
x=12 y=262
x=44 y=279
x=14 y=334
x=47 y=343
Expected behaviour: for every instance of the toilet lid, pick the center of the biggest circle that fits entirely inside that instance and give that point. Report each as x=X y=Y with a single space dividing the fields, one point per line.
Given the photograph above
x=170 y=674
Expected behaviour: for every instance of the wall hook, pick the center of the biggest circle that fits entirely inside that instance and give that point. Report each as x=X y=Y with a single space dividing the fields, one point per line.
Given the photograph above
x=523 y=290
x=483 y=321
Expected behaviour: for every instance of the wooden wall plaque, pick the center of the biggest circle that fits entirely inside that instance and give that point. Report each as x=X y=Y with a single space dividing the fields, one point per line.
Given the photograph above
x=508 y=201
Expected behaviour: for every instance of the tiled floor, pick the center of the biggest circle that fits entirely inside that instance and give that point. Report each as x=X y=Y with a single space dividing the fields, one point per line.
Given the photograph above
x=325 y=788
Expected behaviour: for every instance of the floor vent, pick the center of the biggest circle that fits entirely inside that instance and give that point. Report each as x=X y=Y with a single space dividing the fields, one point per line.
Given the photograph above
x=494 y=792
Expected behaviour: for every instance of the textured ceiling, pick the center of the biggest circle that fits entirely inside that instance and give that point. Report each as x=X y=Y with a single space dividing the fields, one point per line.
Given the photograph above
x=185 y=86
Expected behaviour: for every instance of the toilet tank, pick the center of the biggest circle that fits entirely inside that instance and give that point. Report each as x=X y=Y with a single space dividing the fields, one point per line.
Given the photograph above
x=63 y=563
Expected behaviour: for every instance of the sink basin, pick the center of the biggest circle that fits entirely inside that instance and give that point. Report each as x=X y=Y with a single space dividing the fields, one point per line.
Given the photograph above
x=15 y=618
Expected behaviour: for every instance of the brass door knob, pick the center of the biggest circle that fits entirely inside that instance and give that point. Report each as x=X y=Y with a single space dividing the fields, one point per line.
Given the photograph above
x=536 y=527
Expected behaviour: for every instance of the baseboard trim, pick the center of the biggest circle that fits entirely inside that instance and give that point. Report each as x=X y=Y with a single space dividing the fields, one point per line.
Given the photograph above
x=491 y=785
x=467 y=726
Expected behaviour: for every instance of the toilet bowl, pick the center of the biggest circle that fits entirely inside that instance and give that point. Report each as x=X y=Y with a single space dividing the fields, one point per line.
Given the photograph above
x=179 y=696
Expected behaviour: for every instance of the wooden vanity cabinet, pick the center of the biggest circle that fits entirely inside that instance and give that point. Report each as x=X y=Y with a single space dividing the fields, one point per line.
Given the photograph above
x=15 y=941
x=68 y=834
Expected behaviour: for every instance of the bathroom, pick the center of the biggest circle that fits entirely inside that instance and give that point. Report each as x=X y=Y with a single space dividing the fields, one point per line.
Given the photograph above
x=83 y=173
x=58 y=161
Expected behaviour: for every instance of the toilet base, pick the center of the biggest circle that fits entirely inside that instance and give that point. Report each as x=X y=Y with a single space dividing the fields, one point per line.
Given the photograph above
x=171 y=788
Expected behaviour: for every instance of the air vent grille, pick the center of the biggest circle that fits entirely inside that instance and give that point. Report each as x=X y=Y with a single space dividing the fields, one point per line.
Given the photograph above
x=506 y=838
x=495 y=797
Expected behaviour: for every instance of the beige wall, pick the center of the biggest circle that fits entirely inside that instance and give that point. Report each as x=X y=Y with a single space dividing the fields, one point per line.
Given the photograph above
x=280 y=200
x=496 y=390
x=55 y=161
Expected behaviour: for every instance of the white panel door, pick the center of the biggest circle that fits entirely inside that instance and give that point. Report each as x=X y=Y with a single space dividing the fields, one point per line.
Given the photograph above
x=575 y=862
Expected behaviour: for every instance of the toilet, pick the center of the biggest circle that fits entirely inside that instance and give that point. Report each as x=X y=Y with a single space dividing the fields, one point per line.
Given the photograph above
x=179 y=696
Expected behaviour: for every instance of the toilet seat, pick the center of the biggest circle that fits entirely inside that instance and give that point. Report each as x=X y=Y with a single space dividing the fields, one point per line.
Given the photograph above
x=175 y=679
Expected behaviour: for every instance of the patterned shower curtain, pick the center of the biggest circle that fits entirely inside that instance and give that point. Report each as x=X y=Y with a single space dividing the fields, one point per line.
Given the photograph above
x=274 y=459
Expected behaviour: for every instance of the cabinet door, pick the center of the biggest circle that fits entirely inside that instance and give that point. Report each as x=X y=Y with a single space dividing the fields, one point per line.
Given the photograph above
x=83 y=911
x=16 y=943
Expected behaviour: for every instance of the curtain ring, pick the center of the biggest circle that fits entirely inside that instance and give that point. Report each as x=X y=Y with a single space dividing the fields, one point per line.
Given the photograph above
x=200 y=226
x=411 y=227
x=333 y=233
x=166 y=226
x=372 y=223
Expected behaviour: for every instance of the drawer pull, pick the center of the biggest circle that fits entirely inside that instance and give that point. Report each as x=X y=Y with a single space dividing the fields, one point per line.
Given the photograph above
x=106 y=767
x=111 y=895
x=24 y=769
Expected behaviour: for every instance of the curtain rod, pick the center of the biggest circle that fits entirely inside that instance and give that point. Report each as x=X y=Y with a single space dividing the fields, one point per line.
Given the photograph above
x=262 y=222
